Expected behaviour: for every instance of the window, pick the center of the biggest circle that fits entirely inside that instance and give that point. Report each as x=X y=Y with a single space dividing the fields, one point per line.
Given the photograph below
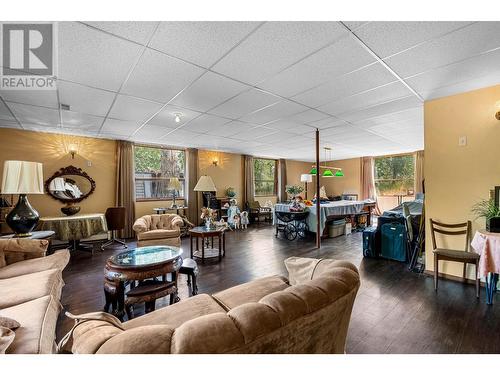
x=395 y=175
x=155 y=170
x=264 y=173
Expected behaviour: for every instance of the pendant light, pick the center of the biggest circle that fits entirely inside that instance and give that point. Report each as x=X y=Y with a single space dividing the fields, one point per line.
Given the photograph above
x=328 y=173
x=313 y=171
x=339 y=173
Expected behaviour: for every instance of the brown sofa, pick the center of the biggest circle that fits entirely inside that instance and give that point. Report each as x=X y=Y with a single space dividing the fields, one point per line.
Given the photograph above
x=30 y=290
x=161 y=229
x=267 y=315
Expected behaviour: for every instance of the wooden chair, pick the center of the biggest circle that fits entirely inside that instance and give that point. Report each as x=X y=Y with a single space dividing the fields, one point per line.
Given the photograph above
x=465 y=256
x=115 y=220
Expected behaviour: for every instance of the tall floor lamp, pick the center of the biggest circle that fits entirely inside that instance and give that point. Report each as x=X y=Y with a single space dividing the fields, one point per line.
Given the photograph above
x=206 y=186
x=305 y=178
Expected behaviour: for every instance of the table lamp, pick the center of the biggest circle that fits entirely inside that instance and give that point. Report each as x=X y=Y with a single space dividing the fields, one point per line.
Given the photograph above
x=175 y=185
x=206 y=186
x=306 y=177
x=22 y=177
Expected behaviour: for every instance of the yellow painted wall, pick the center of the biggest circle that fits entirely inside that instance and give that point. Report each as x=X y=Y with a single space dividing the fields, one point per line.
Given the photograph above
x=457 y=177
x=350 y=183
x=51 y=150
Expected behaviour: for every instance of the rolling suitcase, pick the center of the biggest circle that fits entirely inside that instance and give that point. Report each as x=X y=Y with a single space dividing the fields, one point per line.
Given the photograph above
x=370 y=243
x=393 y=241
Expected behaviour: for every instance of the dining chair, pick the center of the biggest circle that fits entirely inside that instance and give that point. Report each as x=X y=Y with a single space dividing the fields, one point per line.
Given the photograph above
x=463 y=256
x=115 y=219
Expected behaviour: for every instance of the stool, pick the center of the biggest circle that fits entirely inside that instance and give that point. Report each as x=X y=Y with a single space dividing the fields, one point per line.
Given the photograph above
x=148 y=292
x=190 y=268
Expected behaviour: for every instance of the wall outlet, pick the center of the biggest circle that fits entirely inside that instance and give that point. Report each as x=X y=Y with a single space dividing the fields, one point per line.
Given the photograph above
x=89 y=163
x=462 y=140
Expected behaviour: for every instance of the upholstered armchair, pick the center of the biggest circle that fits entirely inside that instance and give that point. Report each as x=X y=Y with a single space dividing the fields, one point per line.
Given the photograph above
x=158 y=230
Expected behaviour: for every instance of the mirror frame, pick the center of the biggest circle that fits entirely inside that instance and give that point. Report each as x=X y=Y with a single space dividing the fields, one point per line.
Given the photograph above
x=66 y=171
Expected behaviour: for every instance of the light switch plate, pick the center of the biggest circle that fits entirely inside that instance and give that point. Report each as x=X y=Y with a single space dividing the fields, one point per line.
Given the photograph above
x=462 y=140
x=89 y=163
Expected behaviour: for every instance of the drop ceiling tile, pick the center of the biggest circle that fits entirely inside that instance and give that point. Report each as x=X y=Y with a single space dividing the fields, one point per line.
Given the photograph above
x=327 y=123
x=35 y=115
x=253 y=134
x=286 y=125
x=230 y=129
x=137 y=31
x=382 y=109
x=353 y=25
x=366 y=99
x=412 y=114
x=387 y=38
x=128 y=108
x=119 y=128
x=245 y=103
x=9 y=124
x=160 y=77
x=5 y=113
x=166 y=117
x=477 y=38
x=282 y=137
x=342 y=57
x=367 y=78
x=85 y=99
x=274 y=46
x=307 y=116
x=94 y=58
x=274 y=112
x=151 y=133
x=206 y=123
x=202 y=43
x=209 y=91
x=41 y=98
x=81 y=121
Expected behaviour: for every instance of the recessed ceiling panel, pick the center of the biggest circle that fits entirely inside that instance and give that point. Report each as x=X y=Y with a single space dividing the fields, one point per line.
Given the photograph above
x=245 y=103
x=85 y=99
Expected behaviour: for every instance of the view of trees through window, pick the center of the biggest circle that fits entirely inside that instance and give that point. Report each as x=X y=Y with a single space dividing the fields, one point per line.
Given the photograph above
x=394 y=175
x=154 y=170
x=265 y=181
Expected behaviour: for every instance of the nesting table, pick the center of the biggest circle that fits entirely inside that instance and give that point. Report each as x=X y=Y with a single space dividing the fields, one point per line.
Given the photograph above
x=207 y=234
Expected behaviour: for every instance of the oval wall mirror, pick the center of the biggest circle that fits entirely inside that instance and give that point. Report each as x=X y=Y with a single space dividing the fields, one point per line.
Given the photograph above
x=70 y=185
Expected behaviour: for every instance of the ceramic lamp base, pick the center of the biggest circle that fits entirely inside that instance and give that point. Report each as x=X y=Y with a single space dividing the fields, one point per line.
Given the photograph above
x=23 y=218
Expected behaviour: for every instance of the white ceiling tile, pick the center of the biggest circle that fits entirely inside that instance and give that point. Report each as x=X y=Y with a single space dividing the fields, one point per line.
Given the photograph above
x=94 y=58
x=366 y=99
x=160 y=77
x=274 y=46
x=151 y=133
x=166 y=117
x=41 y=98
x=387 y=38
x=202 y=43
x=206 y=124
x=353 y=25
x=342 y=57
x=464 y=43
x=245 y=103
x=382 y=109
x=287 y=125
x=35 y=115
x=85 y=99
x=5 y=113
x=279 y=137
x=209 y=91
x=327 y=123
x=129 y=108
x=370 y=77
x=254 y=133
x=307 y=116
x=9 y=124
x=231 y=128
x=81 y=121
x=412 y=114
x=137 y=31
x=274 y=112
x=119 y=128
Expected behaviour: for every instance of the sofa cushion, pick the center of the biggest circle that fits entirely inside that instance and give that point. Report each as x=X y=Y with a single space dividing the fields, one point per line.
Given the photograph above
x=38 y=320
x=178 y=313
x=7 y=336
x=252 y=291
x=9 y=323
x=152 y=339
x=3 y=263
x=18 y=249
x=158 y=234
x=20 y=289
x=58 y=260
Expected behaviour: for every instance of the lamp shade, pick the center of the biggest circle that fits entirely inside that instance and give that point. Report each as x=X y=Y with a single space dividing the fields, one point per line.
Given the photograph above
x=339 y=173
x=328 y=173
x=57 y=184
x=205 y=183
x=22 y=177
x=175 y=184
x=306 y=177
x=313 y=171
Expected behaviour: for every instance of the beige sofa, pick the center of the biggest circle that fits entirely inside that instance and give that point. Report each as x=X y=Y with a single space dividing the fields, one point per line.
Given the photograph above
x=161 y=229
x=30 y=290
x=267 y=315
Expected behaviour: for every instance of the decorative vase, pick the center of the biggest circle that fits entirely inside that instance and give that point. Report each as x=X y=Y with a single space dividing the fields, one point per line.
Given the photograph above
x=70 y=210
x=493 y=224
x=209 y=224
x=23 y=218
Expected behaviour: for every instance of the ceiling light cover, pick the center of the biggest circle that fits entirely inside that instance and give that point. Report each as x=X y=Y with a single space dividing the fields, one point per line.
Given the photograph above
x=313 y=171
x=328 y=173
x=339 y=173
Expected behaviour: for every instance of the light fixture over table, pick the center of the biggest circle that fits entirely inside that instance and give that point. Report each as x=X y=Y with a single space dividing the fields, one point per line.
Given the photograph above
x=328 y=170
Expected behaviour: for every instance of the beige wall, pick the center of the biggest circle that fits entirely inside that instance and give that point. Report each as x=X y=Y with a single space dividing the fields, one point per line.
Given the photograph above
x=51 y=150
x=350 y=183
x=457 y=177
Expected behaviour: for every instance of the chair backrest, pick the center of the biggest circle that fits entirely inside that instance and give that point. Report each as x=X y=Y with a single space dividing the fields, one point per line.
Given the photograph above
x=407 y=216
x=115 y=218
x=459 y=229
x=350 y=197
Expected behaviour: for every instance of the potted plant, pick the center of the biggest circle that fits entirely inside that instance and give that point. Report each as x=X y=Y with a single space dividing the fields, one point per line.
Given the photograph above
x=294 y=190
x=488 y=209
x=230 y=193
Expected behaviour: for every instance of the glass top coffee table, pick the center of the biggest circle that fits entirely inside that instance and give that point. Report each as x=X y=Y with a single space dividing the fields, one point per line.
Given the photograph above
x=206 y=251
x=139 y=269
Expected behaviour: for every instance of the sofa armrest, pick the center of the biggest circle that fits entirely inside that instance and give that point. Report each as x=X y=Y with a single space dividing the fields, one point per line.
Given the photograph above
x=177 y=222
x=58 y=260
x=140 y=225
x=19 y=249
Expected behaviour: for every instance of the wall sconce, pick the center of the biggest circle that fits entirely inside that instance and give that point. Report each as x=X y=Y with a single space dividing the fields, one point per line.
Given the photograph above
x=215 y=161
x=497 y=115
x=73 y=150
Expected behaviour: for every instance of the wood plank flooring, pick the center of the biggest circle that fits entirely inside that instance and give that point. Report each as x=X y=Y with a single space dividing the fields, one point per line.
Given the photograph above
x=396 y=311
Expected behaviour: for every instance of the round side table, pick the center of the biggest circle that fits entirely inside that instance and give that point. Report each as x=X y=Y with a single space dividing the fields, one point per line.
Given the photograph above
x=206 y=251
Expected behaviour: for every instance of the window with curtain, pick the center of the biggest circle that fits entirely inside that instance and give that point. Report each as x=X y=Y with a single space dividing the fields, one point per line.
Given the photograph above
x=159 y=173
x=395 y=176
x=265 y=177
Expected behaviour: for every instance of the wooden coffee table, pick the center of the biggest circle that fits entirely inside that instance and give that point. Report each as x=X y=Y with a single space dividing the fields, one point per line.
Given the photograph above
x=208 y=234
x=140 y=269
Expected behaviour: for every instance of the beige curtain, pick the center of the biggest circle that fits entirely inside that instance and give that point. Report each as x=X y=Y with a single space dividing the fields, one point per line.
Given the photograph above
x=193 y=212
x=282 y=196
x=419 y=171
x=125 y=185
x=368 y=190
x=249 y=189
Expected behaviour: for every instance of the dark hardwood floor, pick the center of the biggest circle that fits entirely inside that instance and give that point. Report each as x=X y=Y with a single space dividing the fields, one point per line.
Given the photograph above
x=396 y=311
